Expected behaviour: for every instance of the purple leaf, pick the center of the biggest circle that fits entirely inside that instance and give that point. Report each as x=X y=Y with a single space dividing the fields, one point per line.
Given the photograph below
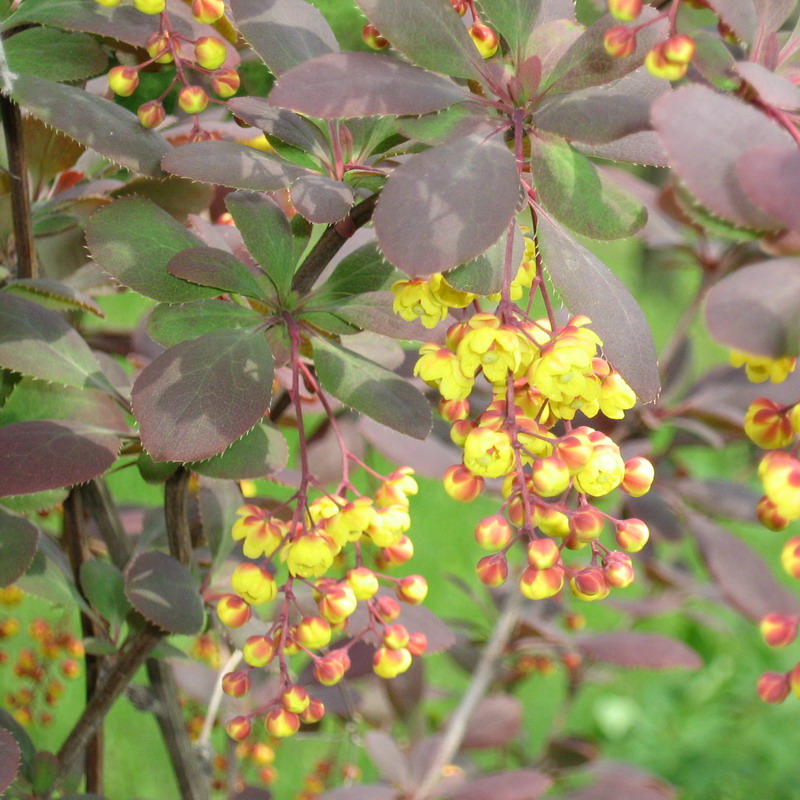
x=724 y=498
x=769 y=176
x=586 y=63
x=771 y=15
x=617 y=781
x=587 y=286
x=38 y=342
x=494 y=723
x=198 y=397
x=597 y=116
x=433 y=213
x=340 y=85
x=484 y=274
x=18 y=542
x=231 y=164
x=278 y=122
x=635 y=148
x=428 y=33
x=106 y=127
x=757 y=308
x=577 y=194
x=773 y=89
x=260 y=452
x=10 y=757
x=163 y=591
x=364 y=791
x=371 y=389
x=284 y=33
x=386 y=756
x=638 y=650
x=444 y=126
x=694 y=124
x=744 y=579
x=519 y=784
x=218 y=501
x=549 y=41
x=133 y=240
x=208 y=266
x=44 y=454
x=321 y=199
x=373 y=312
x=739 y=15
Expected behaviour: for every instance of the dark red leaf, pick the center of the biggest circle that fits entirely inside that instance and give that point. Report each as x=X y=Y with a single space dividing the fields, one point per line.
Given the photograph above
x=743 y=577
x=321 y=199
x=10 y=758
x=617 y=781
x=724 y=498
x=757 y=308
x=638 y=650
x=636 y=148
x=45 y=454
x=260 y=452
x=163 y=591
x=208 y=266
x=340 y=85
x=433 y=213
x=773 y=89
x=218 y=501
x=231 y=164
x=495 y=722
x=284 y=33
x=18 y=541
x=386 y=756
x=519 y=784
x=770 y=176
x=514 y=20
x=363 y=791
x=444 y=47
x=694 y=124
x=278 y=122
x=587 y=286
x=198 y=397
x=739 y=15
x=373 y=312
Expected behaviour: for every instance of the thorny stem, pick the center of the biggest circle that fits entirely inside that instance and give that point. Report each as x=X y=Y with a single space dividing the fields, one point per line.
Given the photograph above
x=482 y=678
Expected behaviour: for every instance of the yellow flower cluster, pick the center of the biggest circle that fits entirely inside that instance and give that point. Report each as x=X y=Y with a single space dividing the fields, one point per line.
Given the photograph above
x=761 y=368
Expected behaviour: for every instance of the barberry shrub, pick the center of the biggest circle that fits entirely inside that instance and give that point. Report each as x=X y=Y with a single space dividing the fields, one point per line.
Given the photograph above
x=345 y=259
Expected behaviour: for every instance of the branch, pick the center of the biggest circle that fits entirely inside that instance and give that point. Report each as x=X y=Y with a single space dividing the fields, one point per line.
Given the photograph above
x=20 y=191
x=482 y=677
x=330 y=243
x=99 y=504
x=176 y=516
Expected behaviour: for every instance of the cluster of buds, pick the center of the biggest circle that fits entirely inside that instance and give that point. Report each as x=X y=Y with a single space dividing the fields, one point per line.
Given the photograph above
x=668 y=59
x=205 y=55
x=779 y=630
x=541 y=376
x=319 y=779
x=309 y=546
x=39 y=670
x=485 y=38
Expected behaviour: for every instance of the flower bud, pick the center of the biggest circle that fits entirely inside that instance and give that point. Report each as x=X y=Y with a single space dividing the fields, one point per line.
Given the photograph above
x=295 y=699
x=387 y=608
x=388 y=663
x=790 y=557
x=258 y=651
x=454 y=410
x=233 y=611
x=123 y=80
x=254 y=584
x=108 y=3
x=313 y=632
x=619 y=570
x=778 y=630
x=412 y=589
x=538 y=584
x=661 y=67
x=151 y=114
x=551 y=476
x=193 y=99
x=586 y=524
x=314 y=713
x=619 y=41
x=150 y=6
x=639 y=475
x=769 y=515
x=158 y=47
x=225 y=82
x=575 y=451
x=395 y=636
x=590 y=584
x=281 y=723
x=460 y=6
x=625 y=10
x=767 y=424
x=486 y=40
x=208 y=11
x=338 y=603
x=238 y=728
x=417 y=643
x=363 y=582
x=493 y=533
x=679 y=49
x=372 y=37
x=773 y=687
x=794 y=680
x=461 y=484
x=543 y=553
x=552 y=522
x=492 y=570
x=398 y=553
x=210 y=52
x=329 y=671
x=632 y=534
x=236 y=684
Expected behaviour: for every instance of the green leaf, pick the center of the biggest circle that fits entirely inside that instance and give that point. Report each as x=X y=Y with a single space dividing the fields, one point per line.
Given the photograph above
x=54 y=295
x=163 y=591
x=104 y=588
x=218 y=501
x=371 y=389
x=45 y=579
x=31 y=503
x=200 y=396
x=39 y=343
x=484 y=274
x=170 y=324
x=210 y=266
x=514 y=19
x=155 y=472
x=55 y=55
x=445 y=125
x=18 y=542
x=260 y=452
x=577 y=194
x=98 y=123
x=329 y=322
x=363 y=270
x=267 y=235
x=179 y=197
x=133 y=240
x=373 y=311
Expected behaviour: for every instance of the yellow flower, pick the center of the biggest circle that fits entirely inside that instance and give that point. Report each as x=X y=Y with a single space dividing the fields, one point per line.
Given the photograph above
x=759 y=368
x=311 y=555
x=603 y=472
x=494 y=348
x=389 y=525
x=488 y=453
x=262 y=535
x=447 y=295
x=351 y=522
x=439 y=367
x=414 y=300
x=616 y=397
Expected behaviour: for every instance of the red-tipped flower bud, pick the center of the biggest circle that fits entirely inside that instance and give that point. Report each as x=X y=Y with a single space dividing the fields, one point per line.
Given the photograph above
x=210 y=52
x=492 y=570
x=778 y=630
x=486 y=40
x=123 y=80
x=193 y=99
x=493 y=533
x=208 y=11
x=773 y=687
x=225 y=82
x=151 y=114
x=372 y=37
x=619 y=41
x=625 y=10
